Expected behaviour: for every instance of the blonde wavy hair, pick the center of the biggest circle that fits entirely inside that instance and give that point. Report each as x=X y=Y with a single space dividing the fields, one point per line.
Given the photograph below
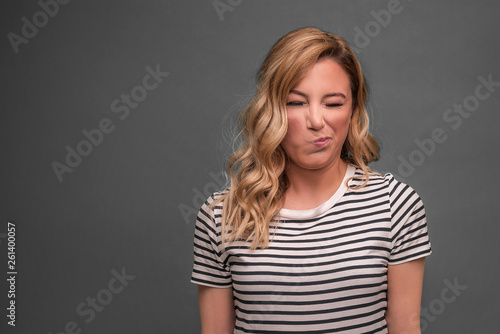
x=258 y=167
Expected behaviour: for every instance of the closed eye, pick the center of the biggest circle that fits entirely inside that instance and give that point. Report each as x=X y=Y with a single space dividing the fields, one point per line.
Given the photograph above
x=295 y=103
x=332 y=105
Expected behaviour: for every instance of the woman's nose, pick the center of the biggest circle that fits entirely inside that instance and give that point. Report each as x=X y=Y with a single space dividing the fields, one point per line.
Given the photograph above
x=315 y=117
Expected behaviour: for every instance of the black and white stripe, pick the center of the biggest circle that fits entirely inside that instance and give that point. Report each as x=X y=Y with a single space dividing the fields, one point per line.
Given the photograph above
x=325 y=270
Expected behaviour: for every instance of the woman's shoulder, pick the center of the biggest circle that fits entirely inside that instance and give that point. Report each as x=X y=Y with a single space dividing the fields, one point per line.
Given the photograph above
x=218 y=195
x=214 y=201
x=380 y=180
x=210 y=212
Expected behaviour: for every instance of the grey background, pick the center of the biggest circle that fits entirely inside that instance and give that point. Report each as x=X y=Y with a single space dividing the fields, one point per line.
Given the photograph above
x=121 y=207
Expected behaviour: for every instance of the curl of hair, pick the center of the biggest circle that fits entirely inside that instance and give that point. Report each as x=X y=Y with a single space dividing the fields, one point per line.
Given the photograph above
x=258 y=167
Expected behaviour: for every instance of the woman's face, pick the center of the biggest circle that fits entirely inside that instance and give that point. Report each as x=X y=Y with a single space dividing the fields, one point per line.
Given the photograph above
x=319 y=111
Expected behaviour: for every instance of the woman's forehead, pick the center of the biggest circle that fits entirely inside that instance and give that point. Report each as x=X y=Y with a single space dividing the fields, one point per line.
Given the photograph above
x=326 y=76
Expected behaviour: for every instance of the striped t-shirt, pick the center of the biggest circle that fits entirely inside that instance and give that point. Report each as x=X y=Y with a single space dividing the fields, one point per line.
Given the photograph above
x=325 y=270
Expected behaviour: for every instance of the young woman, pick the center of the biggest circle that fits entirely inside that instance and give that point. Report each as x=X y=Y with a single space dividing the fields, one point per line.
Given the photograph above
x=307 y=238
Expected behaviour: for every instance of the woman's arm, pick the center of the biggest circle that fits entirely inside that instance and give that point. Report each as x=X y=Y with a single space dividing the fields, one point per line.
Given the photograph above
x=216 y=310
x=404 y=294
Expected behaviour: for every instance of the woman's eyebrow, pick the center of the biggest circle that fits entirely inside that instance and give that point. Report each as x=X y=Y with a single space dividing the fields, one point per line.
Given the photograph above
x=334 y=94
x=326 y=95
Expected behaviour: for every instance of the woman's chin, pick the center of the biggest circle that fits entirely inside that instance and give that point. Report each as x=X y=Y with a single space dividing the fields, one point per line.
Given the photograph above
x=315 y=164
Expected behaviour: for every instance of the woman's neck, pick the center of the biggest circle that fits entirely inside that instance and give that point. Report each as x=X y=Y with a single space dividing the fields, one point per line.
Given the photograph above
x=310 y=188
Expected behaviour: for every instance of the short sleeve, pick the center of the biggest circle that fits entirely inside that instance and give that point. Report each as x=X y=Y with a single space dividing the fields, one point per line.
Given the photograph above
x=409 y=234
x=208 y=268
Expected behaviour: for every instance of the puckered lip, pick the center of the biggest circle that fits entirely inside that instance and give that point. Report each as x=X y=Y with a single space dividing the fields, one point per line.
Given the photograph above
x=321 y=139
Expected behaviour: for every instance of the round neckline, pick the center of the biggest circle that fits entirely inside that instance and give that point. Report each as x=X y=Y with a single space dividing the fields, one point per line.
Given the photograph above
x=315 y=212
